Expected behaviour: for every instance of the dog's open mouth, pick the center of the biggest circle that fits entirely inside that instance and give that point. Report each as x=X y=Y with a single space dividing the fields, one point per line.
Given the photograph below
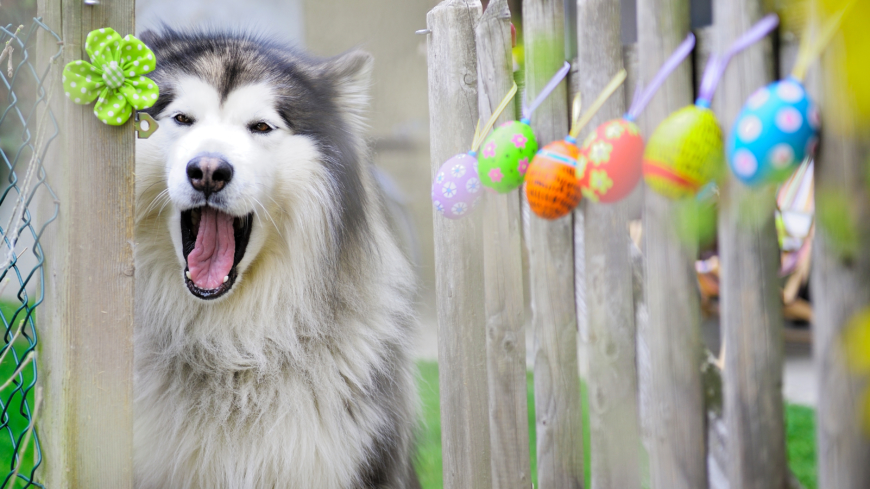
x=213 y=243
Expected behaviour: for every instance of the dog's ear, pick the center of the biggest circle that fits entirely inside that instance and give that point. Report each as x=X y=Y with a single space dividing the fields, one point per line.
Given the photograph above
x=148 y=37
x=350 y=74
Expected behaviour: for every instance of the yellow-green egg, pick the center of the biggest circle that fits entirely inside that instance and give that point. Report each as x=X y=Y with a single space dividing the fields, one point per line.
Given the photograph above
x=685 y=153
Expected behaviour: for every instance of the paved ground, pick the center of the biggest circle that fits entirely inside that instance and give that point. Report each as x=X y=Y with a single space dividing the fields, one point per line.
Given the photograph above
x=800 y=384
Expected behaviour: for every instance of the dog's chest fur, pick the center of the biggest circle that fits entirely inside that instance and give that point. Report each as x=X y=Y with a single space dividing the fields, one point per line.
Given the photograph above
x=275 y=402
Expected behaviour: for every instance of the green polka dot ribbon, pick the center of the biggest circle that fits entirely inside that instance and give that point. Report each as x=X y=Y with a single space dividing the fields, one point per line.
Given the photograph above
x=114 y=78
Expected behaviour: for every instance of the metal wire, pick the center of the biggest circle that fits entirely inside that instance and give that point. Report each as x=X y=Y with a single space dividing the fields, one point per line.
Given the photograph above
x=23 y=146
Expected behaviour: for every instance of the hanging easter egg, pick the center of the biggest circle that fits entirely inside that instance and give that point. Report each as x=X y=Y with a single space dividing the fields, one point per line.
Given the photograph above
x=505 y=156
x=777 y=128
x=456 y=188
x=610 y=161
x=684 y=153
x=551 y=183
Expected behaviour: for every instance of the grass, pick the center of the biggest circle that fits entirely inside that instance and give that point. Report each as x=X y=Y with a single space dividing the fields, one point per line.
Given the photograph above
x=800 y=434
x=429 y=439
x=800 y=428
x=12 y=422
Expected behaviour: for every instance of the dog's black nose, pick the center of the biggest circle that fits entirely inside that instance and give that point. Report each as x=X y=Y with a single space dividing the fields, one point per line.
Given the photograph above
x=209 y=174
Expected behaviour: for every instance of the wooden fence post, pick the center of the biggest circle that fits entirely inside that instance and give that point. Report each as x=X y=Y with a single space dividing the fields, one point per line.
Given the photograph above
x=459 y=286
x=612 y=379
x=717 y=435
x=551 y=265
x=672 y=391
x=840 y=285
x=86 y=321
x=751 y=304
x=503 y=271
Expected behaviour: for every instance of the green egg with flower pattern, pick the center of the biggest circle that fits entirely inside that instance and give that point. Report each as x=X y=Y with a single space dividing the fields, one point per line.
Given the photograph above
x=505 y=156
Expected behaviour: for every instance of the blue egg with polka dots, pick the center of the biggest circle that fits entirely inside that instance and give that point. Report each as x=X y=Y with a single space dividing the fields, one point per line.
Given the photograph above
x=777 y=128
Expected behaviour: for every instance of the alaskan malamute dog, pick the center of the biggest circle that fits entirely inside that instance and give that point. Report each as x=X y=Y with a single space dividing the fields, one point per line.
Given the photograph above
x=273 y=305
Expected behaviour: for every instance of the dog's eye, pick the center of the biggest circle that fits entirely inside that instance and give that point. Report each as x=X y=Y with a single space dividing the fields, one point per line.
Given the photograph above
x=183 y=120
x=260 y=127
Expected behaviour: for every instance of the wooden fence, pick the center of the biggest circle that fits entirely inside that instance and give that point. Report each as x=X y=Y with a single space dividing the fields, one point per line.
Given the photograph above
x=86 y=323
x=637 y=311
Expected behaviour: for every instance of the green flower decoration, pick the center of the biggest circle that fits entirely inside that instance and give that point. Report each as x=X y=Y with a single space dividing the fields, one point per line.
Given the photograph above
x=600 y=152
x=599 y=181
x=114 y=79
x=589 y=194
x=614 y=130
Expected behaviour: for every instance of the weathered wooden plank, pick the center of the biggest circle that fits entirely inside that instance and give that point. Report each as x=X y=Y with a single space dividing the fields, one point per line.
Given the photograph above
x=453 y=113
x=634 y=200
x=705 y=45
x=840 y=285
x=717 y=456
x=87 y=319
x=503 y=271
x=630 y=62
x=751 y=308
x=551 y=264
x=612 y=381
x=671 y=389
x=580 y=256
x=54 y=361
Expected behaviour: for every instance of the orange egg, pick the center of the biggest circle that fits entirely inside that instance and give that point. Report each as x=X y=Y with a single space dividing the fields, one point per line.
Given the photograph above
x=552 y=189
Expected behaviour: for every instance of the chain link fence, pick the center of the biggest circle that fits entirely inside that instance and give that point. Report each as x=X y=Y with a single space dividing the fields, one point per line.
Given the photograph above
x=27 y=129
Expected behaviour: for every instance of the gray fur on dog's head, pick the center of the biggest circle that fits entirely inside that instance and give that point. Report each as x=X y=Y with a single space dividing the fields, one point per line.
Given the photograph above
x=324 y=99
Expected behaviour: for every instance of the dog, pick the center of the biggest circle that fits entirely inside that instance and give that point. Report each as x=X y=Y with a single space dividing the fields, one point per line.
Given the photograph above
x=274 y=315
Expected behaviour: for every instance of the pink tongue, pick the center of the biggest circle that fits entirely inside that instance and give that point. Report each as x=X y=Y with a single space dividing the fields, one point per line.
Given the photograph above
x=212 y=256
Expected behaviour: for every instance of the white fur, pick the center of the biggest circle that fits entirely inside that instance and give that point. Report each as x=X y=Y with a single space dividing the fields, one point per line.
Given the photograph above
x=266 y=386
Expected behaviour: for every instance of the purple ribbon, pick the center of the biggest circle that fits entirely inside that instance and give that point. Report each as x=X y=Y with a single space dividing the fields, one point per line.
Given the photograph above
x=643 y=96
x=551 y=85
x=716 y=64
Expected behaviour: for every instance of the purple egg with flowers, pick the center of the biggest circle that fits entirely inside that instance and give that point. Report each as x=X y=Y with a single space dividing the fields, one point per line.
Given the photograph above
x=456 y=188
x=777 y=128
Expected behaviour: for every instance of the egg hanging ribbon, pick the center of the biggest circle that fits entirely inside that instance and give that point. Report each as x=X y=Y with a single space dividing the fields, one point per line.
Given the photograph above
x=812 y=46
x=610 y=161
x=642 y=95
x=456 y=188
x=686 y=151
x=552 y=186
x=510 y=148
x=778 y=126
x=480 y=135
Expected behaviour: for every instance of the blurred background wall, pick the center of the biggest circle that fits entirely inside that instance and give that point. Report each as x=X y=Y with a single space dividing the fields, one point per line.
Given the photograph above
x=278 y=18
x=400 y=107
